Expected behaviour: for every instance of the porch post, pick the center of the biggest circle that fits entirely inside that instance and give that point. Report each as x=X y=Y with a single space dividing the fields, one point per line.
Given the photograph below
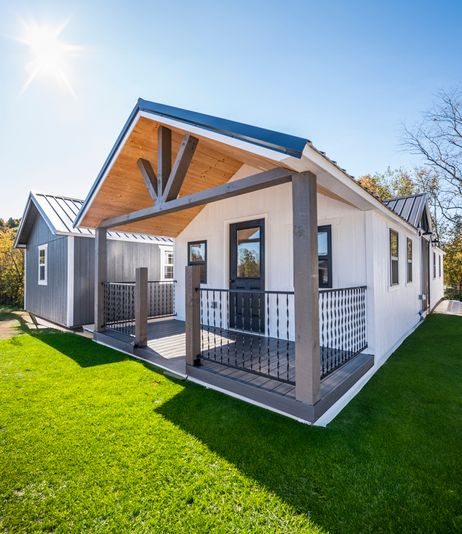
x=141 y=307
x=306 y=288
x=100 y=276
x=192 y=314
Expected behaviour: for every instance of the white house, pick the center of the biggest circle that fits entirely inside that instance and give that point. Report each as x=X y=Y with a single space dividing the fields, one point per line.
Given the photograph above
x=293 y=282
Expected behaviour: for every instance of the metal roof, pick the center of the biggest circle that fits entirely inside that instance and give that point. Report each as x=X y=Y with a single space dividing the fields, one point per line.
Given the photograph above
x=280 y=142
x=277 y=141
x=410 y=208
x=59 y=213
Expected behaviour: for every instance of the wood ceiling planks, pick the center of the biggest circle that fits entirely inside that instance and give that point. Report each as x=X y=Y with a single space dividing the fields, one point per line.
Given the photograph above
x=124 y=190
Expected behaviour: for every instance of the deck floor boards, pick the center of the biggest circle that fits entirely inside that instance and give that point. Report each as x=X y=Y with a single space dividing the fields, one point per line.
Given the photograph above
x=166 y=347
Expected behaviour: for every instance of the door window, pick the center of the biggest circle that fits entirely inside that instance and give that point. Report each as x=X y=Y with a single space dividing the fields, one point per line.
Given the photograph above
x=248 y=253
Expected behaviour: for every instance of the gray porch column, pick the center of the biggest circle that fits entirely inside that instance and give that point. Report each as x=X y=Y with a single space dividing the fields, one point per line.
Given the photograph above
x=141 y=307
x=306 y=287
x=192 y=314
x=100 y=276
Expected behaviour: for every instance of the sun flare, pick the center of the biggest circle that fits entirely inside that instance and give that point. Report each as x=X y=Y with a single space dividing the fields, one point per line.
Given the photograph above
x=49 y=54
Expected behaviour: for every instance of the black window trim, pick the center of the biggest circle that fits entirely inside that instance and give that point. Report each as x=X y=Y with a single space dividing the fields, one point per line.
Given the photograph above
x=409 y=262
x=202 y=263
x=393 y=258
x=328 y=229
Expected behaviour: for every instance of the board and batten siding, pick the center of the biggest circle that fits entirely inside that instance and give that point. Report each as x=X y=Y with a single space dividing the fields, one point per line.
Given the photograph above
x=47 y=301
x=122 y=259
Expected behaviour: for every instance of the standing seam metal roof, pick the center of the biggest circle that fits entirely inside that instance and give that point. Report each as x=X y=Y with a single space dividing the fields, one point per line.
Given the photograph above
x=410 y=208
x=60 y=213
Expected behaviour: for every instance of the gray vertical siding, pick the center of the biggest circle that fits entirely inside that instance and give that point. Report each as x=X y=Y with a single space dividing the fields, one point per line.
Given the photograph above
x=50 y=301
x=123 y=258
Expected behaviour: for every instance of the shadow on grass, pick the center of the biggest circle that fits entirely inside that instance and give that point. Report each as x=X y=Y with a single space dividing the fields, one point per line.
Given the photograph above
x=82 y=350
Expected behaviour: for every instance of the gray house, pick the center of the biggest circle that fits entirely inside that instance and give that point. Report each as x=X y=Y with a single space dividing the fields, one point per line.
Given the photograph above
x=60 y=261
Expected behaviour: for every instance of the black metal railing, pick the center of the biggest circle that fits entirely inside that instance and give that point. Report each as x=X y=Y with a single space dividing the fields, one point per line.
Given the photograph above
x=119 y=303
x=342 y=326
x=161 y=298
x=249 y=330
x=119 y=307
x=253 y=330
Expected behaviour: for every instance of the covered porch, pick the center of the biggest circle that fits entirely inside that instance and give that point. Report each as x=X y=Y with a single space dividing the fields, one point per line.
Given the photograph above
x=294 y=349
x=263 y=373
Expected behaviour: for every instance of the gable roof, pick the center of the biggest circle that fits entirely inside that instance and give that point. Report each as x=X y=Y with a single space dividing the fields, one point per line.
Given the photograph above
x=277 y=142
x=59 y=213
x=411 y=208
x=225 y=147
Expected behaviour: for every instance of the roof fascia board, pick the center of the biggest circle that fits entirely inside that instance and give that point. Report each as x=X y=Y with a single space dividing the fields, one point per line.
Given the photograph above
x=290 y=145
x=324 y=163
x=115 y=150
x=131 y=123
x=248 y=146
x=33 y=200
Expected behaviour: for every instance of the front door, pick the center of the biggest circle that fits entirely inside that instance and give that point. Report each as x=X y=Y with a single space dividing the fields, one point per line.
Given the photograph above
x=425 y=274
x=247 y=273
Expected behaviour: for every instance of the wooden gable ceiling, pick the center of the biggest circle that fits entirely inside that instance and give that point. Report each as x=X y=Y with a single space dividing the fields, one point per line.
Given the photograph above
x=124 y=190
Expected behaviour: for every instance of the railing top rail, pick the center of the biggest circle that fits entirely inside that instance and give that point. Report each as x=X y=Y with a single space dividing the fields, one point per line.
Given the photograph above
x=133 y=282
x=262 y=291
x=271 y=292
x=118 y=283
x=330 y=290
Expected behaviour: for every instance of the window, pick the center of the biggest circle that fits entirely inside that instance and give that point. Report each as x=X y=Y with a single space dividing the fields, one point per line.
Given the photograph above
x=434 y=265
x=197 y=255
x=439 y=265
x=248 y=253
x=168 y=264
x=394 y=258
x=42 y=264
x=325 y=256
x=409 y=260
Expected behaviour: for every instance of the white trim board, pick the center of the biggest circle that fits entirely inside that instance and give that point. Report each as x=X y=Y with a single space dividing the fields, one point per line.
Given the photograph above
x=70 y=281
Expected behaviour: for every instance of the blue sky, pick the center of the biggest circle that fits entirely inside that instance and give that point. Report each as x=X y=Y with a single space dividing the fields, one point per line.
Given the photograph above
x=344 y=74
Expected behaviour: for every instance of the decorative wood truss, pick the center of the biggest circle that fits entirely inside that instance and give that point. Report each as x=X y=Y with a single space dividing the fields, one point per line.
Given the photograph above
x=164 y=188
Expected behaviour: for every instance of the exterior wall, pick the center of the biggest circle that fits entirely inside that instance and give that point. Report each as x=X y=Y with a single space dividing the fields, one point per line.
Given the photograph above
x=47 y=301
x=393 y=310
x=275 y=206
x=360 y=256
x=436 y=282
x=122 y=259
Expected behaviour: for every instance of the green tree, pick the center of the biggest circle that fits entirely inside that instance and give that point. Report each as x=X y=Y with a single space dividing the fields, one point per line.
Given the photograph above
x=11 y=268
x=453 y=259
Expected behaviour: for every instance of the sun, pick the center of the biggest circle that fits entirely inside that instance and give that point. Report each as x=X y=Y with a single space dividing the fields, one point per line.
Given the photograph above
x=49 y=54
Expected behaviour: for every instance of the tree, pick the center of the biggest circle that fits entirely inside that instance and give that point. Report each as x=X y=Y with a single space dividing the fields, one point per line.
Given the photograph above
x=389 y=184
x=453 y=259
x=438 y=139
x=11 y=269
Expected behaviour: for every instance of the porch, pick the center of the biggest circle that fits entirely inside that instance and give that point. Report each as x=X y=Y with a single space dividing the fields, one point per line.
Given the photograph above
x=166 y=348
x=257 y=366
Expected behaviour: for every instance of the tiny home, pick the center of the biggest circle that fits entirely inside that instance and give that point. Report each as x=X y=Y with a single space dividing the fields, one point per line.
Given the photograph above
x=294 y=284
x=60 y=260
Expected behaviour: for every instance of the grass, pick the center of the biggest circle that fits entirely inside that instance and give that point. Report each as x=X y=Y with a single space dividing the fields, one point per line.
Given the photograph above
x=91 y=440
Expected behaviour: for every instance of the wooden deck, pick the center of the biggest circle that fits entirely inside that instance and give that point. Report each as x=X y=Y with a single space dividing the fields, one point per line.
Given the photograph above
x=166 y=349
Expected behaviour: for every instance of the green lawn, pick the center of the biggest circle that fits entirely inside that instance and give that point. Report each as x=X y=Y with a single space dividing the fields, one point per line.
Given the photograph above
x=91 y=440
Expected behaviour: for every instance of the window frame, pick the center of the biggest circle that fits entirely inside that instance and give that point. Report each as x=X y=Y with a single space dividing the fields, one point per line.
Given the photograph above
x=393 y=258
x=203 y=263
x=409 y=262
x=164 y=263
x=439 y=265
x=44 y=281
x=328 y=229
x=434 y=264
